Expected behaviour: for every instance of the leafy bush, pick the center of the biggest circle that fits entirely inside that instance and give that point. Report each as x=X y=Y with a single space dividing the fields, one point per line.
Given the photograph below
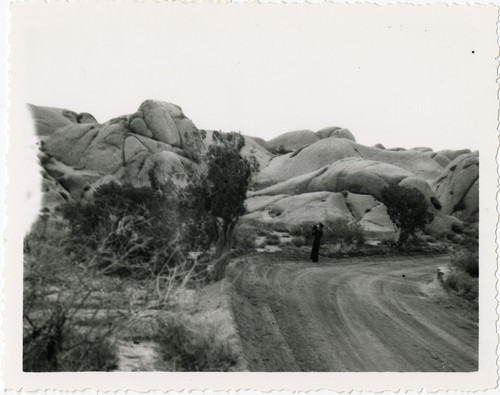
x=407 y=209
x=193 y=351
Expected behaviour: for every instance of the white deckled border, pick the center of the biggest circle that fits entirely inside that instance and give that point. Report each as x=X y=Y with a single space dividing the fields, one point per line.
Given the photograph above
x=294 y=381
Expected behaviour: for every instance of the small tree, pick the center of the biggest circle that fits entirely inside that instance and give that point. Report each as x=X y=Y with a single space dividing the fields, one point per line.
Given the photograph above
x=221 y=191
x=407 y=209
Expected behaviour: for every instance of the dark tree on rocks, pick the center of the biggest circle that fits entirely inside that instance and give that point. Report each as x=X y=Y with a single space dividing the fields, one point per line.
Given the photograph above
x=221 y=191
x=407 y=209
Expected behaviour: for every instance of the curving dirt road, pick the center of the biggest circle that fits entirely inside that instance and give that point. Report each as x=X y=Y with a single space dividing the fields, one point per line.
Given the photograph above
x=357 y=314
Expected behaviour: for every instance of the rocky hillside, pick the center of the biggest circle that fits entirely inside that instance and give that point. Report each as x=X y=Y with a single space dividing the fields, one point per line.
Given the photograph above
x=304 y=175
x=158 y=140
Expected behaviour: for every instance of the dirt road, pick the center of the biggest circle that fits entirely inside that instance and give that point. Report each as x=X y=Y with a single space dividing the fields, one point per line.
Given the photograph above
x=357 y=314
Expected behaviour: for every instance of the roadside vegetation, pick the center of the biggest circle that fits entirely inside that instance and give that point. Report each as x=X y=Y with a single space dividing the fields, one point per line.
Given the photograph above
x=464 y=276
x=57 y=293
x=90 y=271
x=193 y=349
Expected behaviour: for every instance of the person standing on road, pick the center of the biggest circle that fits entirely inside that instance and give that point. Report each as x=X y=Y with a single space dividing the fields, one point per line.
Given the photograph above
x=317 y=232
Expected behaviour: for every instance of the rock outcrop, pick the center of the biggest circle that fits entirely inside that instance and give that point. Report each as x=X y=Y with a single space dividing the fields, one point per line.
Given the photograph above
x=335 y=131
x=457 y=188
x=293 y=140
x=330 y=150
x=291 y=210
x=361 y=181
x=326 y=176
x=50 y=119
x=157 y=141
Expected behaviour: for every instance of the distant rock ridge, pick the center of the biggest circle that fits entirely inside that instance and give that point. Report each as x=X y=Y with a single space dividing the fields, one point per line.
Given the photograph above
x=322 y=175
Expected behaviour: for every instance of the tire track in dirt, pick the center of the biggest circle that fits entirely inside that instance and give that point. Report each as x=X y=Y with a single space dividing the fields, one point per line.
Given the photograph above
x=350 y=315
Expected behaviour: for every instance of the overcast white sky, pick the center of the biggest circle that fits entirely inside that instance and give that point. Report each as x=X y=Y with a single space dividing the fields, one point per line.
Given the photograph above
x=398 y=75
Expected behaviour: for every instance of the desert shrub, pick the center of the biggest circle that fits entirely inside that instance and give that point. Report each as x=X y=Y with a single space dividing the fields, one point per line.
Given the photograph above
x=304 y=229
x=470 y=234
x=278 y=227
x=55 y=293
x=193 y=351
x=273 y=239
x=463 y=284
x=344 y=231
x=56 y=345
x=466 y=261
x=331 y=250
x=125 y=230
x=407 y=209
x=298 y=241
x=244 y=237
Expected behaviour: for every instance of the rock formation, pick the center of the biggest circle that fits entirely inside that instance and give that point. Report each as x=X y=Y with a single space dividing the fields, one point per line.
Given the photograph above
x=293 y=140
x=457 y=188
x=157 y=141
x=333 y=149
x=327 y=175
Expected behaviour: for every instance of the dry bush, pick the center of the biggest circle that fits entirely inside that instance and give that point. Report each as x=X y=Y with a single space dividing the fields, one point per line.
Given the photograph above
x=193 y=272
x=278 y=227
x=273 y=239
x=193 y=350
x=340 y=230
x=344 y=231
x=298 y=241
x=125 y=230
x=244 y=237
x=466 y=261
x=463 y=284
x=56 y=294
x=303 y=230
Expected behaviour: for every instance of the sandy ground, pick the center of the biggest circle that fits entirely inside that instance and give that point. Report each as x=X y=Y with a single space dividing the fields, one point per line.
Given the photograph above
x=357 y=314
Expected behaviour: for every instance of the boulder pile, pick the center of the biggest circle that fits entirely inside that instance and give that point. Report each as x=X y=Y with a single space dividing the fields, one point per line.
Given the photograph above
x=304 y=175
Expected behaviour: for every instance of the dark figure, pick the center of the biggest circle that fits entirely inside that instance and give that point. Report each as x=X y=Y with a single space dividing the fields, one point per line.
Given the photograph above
x=317 y=232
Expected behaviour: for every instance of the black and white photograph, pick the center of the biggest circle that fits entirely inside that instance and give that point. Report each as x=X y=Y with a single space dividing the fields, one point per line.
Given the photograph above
x=251 y=188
